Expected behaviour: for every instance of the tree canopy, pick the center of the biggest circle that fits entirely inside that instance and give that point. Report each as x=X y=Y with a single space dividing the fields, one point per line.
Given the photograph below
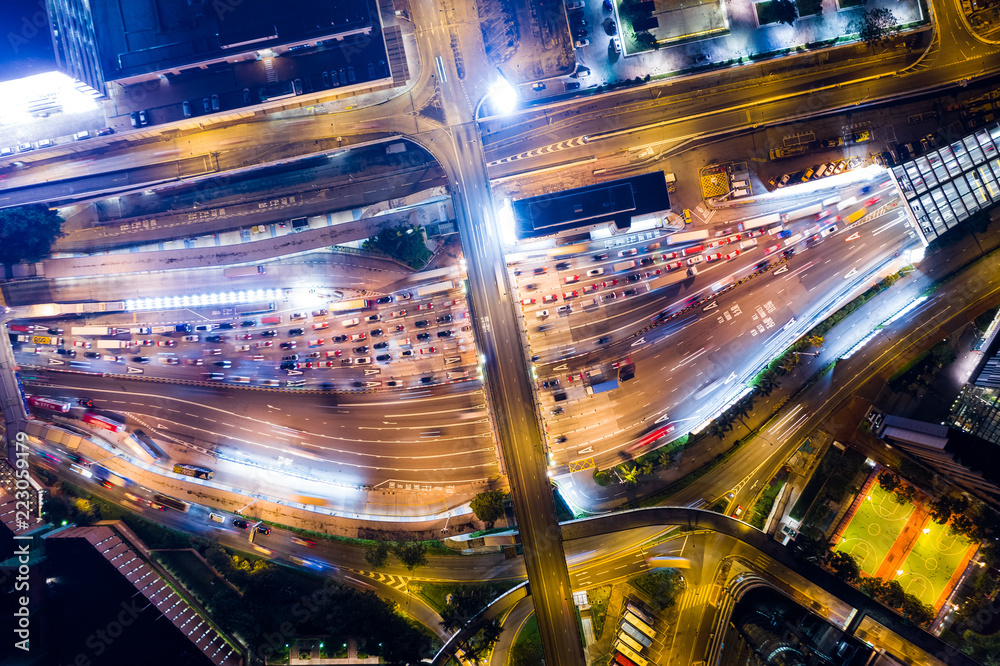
x=785 y=11
x=488 y=506
x=403 y=243
x=876 y=26
x=27 y=233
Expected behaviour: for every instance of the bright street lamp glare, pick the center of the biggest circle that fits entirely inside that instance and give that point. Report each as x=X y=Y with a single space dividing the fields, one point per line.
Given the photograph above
x=504 y=96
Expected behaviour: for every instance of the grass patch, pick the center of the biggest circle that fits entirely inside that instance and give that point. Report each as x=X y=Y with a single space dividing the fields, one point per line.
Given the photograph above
x=984 y=320
x=436 y=594
x=809 y=7
x=762 y=508
x=602 y=478
x=766 y=13
x=599 y=599
x=190 y=571
x=719 y=506
x=661 y=586
x=527 y=647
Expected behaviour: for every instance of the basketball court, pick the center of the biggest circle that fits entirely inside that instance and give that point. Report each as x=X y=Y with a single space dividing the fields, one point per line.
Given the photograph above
x=934 y=565
x=874 y=528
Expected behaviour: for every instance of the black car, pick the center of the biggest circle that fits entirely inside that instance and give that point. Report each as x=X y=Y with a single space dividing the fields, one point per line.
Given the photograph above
x=375 y=332
x=363 y=349
x=557 y=411
x=561 y=439
x=635 y=277
x=223 y=364
x=426 y=380
x=605 y=340
x=269 y=333
x=287 y=345
x=423 y=336
x=384 y=300
x=550 y=383
x=263 y=529
x=380 y=345
x=287 y=365
x=630 y=292
x=531 y=286
x=601 y=257
x=85 y=402
x=444 y=319
x=383 y=358
x=248 y=323
x=55 y=331
x=646 y=261
x=240 y=523
x=445 y=334
x=140 y=359
x=788 y=253
x=296 y=331
x=423 y=323
x=225 y=327
x=340 y=338
x=562 y=266
x=214 y=338
x=393 y=384
x=91 y=355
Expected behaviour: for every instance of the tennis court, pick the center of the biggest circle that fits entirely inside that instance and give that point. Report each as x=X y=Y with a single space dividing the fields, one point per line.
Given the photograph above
x=932 y=568
x=874 y=528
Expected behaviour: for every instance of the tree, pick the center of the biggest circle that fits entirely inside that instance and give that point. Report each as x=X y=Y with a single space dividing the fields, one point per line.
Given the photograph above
x=663 y=587
x=943 y=507
x=905 y=493
x=816 y=341
x=27 y=233
x=785 y=11
x=488 y=506
x=377 y=554
x=844 y=566
x=888 y=481
x=875 y=27
x=405 y=243
x=893 y=594
x=628 y=475
x=411 y=554
x=916 y=612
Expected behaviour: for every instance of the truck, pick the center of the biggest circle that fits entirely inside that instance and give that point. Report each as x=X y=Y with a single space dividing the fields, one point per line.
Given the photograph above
x=91 y=330
x=51 y=404
x=162 y=330
x=43 y=340
x=436 y=288
x=855 y=216
x=757 y=222
x=687 y=237
x=243 y=271
x=135 y=330
x=348 y=306
x=624 y=265
x=182 y=328
x=801 y=213
x=113 y=344
x=603 y=387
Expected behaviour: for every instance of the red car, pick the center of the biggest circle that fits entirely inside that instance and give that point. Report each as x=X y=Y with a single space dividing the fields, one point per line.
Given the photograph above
x=670 y=255
x=674 y=265
x=609 y=283
x=571 y=279
x=527 y=301
x=425 y=306
x=713 y=256
x=570 y=294
x=873 y=201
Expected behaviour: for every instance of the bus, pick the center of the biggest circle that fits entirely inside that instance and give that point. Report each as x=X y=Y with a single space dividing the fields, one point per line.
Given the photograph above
x=103 y=422
x=254 y=308
x=652 y=437
x=631 y=642
x=436 y=288
x=635 y=609
x=193 y=470
x=631 y=654
x=147 y=444
x=637 y=636
x=639 y=624
x=758 y=222
x=348 y=306
x=176 y=504
x=243 y=271
x=563 y=251
x=622 y=660
x=50 y=404
x=687 y=237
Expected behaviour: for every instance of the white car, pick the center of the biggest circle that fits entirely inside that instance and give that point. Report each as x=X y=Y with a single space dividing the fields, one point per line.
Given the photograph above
x=695 y=260
x=240 y=348
x=542 y=314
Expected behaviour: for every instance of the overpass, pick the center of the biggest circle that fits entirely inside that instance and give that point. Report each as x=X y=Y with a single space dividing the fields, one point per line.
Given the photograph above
x=751 y=536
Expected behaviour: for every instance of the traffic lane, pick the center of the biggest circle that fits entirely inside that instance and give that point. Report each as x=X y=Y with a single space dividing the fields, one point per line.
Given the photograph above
x=419 y=439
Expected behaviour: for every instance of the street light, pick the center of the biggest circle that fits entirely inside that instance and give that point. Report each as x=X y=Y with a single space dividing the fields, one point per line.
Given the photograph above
x=503 y=96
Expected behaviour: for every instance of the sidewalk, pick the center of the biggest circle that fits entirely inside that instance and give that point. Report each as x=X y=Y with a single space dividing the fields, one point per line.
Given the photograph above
x=591 y=497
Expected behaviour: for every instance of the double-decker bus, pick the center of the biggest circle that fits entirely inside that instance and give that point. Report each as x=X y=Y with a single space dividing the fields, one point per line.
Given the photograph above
x=50 y=404
x=631 y=642
x=193 y=470
x=631 y=654
x=636 y=610
x=147 y=444
x=637 y=636
x=103 y=422
x=639 y=624
x=176 y=504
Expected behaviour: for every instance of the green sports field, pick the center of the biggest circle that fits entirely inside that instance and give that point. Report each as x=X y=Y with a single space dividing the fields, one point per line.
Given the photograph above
x=935 y=558
x=874 y=528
